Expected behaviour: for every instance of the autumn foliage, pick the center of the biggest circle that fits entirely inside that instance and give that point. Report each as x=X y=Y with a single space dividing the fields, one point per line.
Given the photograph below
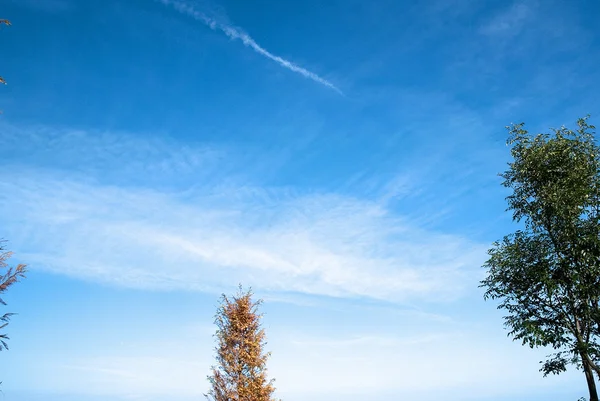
x=240 y=374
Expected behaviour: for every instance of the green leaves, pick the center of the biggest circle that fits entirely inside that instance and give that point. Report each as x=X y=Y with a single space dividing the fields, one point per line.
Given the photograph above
x=547 y=276
x=551 y=175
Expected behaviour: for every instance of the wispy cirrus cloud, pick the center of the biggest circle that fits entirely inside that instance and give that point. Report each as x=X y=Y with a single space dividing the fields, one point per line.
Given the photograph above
x=206 y=236
x=314 y=244
x=187 y=8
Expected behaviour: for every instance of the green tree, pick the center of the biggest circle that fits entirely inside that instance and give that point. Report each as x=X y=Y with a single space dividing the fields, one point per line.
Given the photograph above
x=11 y=276
x=241 y=372
x=547 y=274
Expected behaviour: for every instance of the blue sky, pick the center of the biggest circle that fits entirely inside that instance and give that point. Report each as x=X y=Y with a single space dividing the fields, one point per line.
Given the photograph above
x=340 y=157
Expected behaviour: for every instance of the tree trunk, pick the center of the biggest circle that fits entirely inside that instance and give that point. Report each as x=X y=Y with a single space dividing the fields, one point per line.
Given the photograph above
x=589 y=376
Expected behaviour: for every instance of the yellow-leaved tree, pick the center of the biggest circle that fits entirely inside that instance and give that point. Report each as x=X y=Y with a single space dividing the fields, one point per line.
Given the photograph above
x=241 y=372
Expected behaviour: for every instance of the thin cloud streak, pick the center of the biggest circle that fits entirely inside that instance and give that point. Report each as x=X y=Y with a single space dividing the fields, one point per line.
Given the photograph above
x=236 y=33
x=211 y=235
x=318 y=244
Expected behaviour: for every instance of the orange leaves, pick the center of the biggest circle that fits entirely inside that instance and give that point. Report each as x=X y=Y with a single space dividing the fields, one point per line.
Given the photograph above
x=241 y=372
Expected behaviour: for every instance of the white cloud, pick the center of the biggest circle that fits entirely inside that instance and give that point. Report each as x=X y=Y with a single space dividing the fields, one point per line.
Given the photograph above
x=316 y=244
x=209 y=232
x=86 y=153
x=185 y=7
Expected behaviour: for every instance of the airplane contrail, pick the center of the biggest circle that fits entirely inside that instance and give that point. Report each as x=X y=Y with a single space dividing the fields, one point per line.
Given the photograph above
x=235 y=33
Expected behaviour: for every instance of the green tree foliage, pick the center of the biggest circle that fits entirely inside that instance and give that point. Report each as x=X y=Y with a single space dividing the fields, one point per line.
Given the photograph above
x=547 y=275
x=11 y=276
x=241 y=374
